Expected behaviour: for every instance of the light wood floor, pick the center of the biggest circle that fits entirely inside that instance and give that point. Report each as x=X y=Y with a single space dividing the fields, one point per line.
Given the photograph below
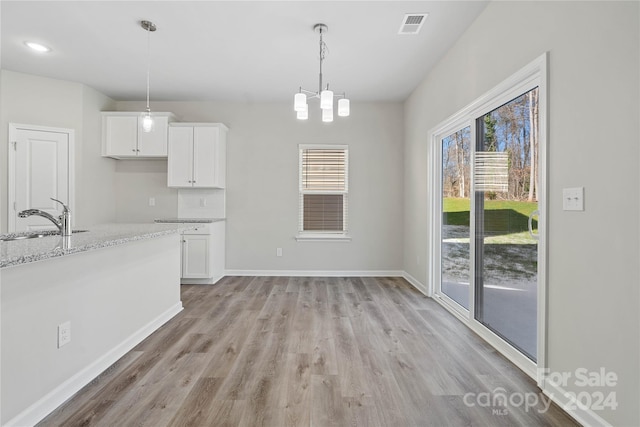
x=278 y=351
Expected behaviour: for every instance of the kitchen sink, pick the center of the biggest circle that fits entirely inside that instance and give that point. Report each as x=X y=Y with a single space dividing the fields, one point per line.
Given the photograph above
x=22 y=237
x=34 y=235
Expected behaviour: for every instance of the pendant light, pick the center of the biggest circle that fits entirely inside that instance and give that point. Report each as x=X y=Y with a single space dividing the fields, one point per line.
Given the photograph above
x=325 y=96
x=147 y=120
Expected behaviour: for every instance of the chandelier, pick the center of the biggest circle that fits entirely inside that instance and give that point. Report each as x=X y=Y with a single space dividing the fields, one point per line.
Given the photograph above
x=325 y=96
x=147 y=120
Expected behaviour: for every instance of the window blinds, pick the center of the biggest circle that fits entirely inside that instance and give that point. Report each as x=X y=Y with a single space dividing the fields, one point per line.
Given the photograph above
x=491 y=171
x=323 y=189
x=323 y=170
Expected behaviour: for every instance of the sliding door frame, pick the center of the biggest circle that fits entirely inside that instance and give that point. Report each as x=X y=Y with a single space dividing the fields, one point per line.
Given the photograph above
x=533 y=75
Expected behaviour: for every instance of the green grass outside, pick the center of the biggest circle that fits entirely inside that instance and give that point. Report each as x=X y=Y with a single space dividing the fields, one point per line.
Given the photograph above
x=501 y=216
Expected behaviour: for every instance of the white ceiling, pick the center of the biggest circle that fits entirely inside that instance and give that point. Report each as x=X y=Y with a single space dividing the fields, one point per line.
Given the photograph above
x=255 y=51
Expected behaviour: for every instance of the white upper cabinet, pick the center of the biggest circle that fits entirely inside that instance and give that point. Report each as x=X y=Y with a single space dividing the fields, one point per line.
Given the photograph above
x=180 y=157
x=123 y=137
x=197 y=155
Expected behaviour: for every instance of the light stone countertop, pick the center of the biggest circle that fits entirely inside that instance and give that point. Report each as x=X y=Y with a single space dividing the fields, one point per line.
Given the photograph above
x=18 y=252
x=188 y=220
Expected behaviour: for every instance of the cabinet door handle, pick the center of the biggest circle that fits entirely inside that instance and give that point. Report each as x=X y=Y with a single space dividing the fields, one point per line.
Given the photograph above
x=133 y=149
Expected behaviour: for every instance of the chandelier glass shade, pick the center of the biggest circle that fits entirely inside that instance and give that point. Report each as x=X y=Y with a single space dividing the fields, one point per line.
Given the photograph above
x=324 y=94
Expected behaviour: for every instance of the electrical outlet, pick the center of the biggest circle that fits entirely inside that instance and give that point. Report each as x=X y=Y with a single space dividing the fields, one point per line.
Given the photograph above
x=64 y=333
x=203 y=202
x=152 y=201
x=278 y=251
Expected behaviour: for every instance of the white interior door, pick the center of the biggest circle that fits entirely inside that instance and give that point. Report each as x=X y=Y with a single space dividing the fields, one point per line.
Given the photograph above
x=39 y=161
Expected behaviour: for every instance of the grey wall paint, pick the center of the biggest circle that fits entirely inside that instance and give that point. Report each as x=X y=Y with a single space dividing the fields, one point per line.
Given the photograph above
x=262 y=186
x=593 y=297
x=95 y=189
x=34 y=100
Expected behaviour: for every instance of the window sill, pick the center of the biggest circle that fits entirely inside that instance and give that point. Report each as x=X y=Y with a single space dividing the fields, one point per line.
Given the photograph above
x=323 y=237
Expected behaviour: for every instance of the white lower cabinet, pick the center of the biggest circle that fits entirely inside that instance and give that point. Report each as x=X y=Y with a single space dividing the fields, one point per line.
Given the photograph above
x=203 y=250
x=195 y=256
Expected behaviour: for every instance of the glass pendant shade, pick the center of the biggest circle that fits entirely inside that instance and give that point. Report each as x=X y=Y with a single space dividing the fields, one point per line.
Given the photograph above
x=303 y=114
x=326 y=100
x=147 y=121
x=327 y=115
x=343 y=107
x=299 y=102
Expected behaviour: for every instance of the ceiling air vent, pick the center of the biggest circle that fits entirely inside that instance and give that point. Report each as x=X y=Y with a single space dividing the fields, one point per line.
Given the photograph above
x=412 y=22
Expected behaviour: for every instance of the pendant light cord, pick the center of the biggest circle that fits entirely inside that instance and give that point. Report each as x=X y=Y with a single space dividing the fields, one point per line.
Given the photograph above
x=148 y=63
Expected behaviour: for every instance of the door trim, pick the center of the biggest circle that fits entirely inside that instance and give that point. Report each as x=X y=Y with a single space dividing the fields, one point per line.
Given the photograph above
x=11 y=168
x=534 y=74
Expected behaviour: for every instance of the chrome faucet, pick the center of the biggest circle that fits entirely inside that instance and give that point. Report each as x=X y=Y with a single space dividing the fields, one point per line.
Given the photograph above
x=63 y=222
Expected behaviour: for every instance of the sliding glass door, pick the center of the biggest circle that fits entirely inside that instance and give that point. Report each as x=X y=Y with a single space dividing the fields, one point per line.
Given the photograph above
x=488 y=186
x=506 y=249
x=455 y=202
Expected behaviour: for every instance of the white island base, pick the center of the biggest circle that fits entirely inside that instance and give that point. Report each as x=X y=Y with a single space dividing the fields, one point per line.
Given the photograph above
x=113 y=297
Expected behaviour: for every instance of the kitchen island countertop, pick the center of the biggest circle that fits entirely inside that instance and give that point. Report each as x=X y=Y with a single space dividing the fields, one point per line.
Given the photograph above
x=20 y=252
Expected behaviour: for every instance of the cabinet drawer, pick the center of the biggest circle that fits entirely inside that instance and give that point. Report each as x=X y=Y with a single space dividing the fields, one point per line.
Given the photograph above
x=200 y=229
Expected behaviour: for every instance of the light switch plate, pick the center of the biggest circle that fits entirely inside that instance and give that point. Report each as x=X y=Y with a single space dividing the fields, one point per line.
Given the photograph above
x=573 y=199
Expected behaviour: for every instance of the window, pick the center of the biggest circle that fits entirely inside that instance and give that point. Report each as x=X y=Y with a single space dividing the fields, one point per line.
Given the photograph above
x=324 y=187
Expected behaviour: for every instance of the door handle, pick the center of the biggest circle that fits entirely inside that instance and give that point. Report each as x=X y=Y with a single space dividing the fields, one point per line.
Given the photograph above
x=534 y=213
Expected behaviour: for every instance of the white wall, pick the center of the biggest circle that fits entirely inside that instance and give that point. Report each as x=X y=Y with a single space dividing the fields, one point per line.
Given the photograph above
x=34 y=100
x=593 y=297
x=135 y=182
x=95 y=175
x=262 y=186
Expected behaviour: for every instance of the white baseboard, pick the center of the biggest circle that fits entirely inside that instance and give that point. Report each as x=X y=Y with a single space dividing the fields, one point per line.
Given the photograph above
x=584 y=416
x=317 y=273
x=416 y=283
x=334 y=273
x=210 y=281
x=43 y=407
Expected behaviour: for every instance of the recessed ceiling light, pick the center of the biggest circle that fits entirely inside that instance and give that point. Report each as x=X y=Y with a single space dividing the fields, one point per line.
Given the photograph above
x=38 y=47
